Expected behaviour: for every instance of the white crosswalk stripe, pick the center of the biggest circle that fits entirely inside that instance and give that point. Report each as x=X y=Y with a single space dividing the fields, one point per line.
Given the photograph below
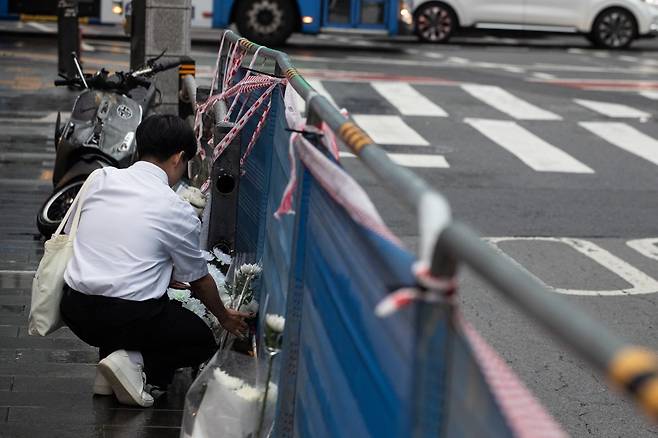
x=319 y=87
x=535 y=150
x=407 y=100
x=420 y=161
x=389 y=130
x=507 y=103
x=527 y=147
x=653 y=95
x=625 y=137
x=614 y=110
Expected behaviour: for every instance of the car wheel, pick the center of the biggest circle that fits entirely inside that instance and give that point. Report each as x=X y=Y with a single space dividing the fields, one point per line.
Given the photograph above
x=435 y=23
x=266 y=22
x=614 y=29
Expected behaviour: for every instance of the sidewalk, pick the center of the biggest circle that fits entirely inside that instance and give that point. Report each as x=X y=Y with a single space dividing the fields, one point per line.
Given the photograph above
x=46 y=383
x=94 y=31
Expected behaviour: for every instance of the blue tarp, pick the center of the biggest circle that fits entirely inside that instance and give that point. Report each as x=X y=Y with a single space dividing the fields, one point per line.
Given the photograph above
x=344 y=371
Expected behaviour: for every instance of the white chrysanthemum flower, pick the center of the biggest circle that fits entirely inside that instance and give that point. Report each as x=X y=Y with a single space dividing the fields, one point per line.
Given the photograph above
x=227 y=380
x=223 y=258
x=250 y=269
x=276 y=323
x=216 y=274
x=179 y=294
x=208 y=256
x=195 y=306
x=249 y=393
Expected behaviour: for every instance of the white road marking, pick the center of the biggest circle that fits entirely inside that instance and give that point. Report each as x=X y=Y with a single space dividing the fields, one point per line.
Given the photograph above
x=407 y=100
x=641 y=282
x=389 y=130
x=625 y=137
x=544 y=76
x=615 y=110
x=512 y=69
x=433 y=55
x=87 y=47
x=421 y=161
x=42 y=27
x=646 y=247
x=527 y=147
x=505 y=102
x=601 y=55
x=11 y=272
x=317 y=85
x=458 y=60
x=629 y=58
x=576 y=51
x=650 y=94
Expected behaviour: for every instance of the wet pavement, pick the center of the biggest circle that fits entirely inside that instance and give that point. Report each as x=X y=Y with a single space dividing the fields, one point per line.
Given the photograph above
x=46 y=383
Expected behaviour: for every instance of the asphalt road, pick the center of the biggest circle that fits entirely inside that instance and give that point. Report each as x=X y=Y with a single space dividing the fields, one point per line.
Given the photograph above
x=544 y=145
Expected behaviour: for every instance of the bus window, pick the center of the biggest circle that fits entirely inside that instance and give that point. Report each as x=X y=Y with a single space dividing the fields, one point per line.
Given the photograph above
x=339 y=11
x=372 y=12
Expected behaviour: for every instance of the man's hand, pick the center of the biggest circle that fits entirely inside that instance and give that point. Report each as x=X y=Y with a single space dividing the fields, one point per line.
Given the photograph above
x=233 y=322
x=206 y=290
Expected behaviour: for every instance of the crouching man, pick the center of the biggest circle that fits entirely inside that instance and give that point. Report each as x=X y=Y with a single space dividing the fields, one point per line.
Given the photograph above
x=134 y=239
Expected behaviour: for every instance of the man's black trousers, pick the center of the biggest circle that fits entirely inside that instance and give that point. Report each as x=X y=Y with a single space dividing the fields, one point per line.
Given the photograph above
x=168 y=335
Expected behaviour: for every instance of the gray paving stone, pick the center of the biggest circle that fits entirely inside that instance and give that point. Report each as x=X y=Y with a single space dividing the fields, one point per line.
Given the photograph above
x=32 y=430
x=9 y=331
x=74 y=385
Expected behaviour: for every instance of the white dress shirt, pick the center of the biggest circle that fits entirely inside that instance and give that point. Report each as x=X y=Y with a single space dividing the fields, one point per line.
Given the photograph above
x=134 y=230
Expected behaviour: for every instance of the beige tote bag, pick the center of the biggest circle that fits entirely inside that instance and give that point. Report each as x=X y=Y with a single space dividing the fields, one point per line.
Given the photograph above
x=48 y=282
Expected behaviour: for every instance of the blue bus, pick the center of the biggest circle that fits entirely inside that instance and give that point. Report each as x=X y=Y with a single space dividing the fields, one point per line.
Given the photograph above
x=270 y=22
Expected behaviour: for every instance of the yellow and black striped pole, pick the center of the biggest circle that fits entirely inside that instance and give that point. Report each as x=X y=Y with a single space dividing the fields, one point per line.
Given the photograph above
x=635 y=370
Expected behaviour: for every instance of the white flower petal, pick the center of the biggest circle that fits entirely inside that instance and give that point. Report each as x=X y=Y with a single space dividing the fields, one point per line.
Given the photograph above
x=275 y=322
x=223 y=258
x=249 y=393
x=227 y=380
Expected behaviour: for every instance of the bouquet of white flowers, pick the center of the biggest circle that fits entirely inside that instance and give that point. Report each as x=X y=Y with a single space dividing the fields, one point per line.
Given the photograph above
x=229 y=399
x=236 y=294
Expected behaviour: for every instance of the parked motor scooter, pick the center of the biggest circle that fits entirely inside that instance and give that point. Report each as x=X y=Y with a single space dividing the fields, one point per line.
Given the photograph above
x=100 y=131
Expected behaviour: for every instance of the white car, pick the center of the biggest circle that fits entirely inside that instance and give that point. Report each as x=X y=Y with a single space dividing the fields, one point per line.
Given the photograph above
x=611 y=24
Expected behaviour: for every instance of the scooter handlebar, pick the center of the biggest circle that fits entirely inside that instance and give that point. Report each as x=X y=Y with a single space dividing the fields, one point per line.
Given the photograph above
x=158 y=67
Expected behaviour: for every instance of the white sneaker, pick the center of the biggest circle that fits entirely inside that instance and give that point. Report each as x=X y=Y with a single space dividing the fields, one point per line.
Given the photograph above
x=101 y=385
x=126 y=379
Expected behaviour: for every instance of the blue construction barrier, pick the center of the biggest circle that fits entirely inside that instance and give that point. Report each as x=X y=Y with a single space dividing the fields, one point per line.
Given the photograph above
x=343 y=370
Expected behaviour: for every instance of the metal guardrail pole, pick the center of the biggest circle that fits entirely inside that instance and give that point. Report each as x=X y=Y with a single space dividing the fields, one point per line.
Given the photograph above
x=632 y=368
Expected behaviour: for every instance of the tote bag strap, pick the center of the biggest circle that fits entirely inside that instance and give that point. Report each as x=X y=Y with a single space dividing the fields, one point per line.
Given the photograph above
x=76 y=201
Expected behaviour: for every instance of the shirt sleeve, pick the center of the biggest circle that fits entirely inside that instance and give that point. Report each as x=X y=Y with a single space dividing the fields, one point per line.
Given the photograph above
x=189 y=263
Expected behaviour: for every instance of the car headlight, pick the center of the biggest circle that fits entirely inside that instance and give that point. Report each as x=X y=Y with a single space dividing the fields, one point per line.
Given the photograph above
x=405 y=13
x=651 y=2
x=117 y=7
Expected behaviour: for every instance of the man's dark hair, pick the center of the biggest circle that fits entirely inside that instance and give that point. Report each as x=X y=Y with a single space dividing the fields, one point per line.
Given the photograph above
x=162 y=135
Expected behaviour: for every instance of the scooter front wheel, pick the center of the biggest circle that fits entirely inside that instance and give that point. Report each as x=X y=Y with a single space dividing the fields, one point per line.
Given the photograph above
x=53 y=210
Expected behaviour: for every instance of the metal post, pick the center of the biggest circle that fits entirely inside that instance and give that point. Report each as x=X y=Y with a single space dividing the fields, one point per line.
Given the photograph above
x=159 y=25
x=225 y=179
x=68 y=36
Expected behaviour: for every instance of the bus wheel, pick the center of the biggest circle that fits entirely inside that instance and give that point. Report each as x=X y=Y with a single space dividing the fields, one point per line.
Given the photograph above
x=435 y=22
x=266 y=22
